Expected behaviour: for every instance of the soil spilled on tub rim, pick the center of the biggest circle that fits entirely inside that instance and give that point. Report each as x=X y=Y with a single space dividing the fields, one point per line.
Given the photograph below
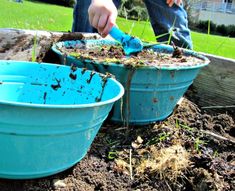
x=113 y=53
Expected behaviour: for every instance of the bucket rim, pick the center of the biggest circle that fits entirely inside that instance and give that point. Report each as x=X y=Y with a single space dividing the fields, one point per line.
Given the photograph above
x=64 y=106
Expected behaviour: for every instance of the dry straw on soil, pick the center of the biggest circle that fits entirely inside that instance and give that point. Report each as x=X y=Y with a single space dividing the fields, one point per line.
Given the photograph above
x=169 y=162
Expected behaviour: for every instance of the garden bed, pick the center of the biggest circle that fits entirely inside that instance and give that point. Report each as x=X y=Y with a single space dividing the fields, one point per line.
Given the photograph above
x=191 y=150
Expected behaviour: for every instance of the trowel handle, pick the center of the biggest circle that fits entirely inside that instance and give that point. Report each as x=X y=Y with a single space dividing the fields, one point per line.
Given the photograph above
x=117 y=34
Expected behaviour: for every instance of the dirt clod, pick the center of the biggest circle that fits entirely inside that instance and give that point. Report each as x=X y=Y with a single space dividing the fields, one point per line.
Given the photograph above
x=178 y=53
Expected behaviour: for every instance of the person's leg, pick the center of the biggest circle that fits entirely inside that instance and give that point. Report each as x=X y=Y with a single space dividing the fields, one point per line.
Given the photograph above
x=81 y=18
x=162 y=18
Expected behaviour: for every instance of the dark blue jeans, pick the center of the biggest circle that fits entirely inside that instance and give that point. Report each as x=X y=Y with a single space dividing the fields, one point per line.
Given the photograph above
x=161 y=16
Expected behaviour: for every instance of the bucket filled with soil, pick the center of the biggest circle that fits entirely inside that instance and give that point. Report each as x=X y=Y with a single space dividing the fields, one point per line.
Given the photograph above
x=50 y=115
x=154 y=79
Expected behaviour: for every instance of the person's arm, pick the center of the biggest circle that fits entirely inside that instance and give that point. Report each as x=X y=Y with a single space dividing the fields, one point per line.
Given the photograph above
x=102 y=15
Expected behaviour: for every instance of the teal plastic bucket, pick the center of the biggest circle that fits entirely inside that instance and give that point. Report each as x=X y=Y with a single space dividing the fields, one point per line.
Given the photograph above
x=151 y=93
x=49 y=116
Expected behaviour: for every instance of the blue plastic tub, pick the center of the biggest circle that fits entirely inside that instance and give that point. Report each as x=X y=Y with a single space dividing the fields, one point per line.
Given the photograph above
x=49 y=116
x=151 y=93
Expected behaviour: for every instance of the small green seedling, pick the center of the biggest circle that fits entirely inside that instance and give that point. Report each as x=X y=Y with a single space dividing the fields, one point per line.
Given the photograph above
x=131 y=29
x=143 y=31
x=34 y=48
x=162 y=137
x=112 y=155
x=215 y=154
x=198 y=143
x=177 y=125
x=171 y=32
x=110 y=142
x=186 y=127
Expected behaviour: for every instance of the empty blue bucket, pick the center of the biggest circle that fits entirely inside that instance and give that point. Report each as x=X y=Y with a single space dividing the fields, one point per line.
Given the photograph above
x=151 y=93
x=49 y=116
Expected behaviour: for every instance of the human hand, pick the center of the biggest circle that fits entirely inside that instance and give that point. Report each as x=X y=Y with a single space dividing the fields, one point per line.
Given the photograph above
x=172 y=2
x=102 y=15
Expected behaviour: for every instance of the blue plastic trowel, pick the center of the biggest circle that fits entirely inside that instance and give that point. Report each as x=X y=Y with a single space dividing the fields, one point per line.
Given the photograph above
x=129 y=43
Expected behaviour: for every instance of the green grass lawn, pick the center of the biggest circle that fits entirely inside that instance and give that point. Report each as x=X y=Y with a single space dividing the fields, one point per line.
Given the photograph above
x=34 y=15
x=213 y=44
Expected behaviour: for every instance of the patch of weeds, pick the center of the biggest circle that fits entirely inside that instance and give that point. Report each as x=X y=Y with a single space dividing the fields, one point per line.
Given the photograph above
x=111 y=142
x=198 y=143
x=186 y=127
x=162 y=137
x=177 y=124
